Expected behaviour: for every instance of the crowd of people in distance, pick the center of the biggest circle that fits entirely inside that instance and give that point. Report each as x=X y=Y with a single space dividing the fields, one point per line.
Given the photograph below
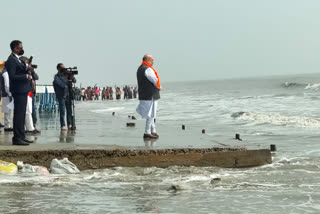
x=105 y=93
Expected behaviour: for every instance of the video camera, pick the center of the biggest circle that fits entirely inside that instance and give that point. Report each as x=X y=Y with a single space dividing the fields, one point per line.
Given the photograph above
x=32 y=65
x=70 y=71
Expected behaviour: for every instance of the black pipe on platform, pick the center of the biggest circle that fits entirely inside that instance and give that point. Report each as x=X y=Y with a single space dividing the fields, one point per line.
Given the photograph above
x=237 y=137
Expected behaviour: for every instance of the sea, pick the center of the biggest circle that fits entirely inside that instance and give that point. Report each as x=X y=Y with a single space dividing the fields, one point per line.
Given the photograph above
x=279 y=110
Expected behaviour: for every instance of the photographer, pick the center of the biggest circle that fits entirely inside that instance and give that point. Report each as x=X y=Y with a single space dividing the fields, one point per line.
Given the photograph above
x=30 y=110
x=61 y=87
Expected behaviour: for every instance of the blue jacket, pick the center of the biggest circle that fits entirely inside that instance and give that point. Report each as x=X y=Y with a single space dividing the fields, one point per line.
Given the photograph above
x=60 y=85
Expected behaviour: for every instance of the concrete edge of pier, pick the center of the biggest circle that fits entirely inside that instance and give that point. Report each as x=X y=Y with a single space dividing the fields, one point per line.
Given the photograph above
x=115 y=156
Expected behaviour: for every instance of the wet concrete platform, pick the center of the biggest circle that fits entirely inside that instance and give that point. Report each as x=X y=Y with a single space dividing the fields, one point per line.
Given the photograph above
x=102 y=141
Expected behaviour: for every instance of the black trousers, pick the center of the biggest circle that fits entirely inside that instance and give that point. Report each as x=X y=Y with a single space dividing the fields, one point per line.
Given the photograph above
x=19 y=115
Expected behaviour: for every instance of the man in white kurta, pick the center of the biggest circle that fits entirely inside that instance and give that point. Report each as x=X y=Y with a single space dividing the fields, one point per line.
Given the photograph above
x=148 y=89
x=6 y=99
x=29 y=127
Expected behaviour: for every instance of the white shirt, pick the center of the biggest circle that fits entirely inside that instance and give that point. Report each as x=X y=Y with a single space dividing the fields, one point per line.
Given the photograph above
x=16 y=56
x=151 y=76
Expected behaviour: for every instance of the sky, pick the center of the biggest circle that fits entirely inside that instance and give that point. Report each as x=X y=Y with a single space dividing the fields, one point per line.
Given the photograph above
x=189 y=39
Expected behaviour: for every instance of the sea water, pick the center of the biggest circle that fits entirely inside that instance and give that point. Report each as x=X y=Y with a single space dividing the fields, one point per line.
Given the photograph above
x=282 y=110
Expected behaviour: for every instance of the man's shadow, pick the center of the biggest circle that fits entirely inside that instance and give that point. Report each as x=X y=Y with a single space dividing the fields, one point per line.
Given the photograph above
x=150 y=143
x=67 y=136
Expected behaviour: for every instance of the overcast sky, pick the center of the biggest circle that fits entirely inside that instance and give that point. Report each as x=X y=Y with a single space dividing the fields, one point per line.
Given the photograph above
x=190 y=40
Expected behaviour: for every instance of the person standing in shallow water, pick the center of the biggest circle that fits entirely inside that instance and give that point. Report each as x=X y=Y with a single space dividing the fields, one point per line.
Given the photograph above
x=149 y=94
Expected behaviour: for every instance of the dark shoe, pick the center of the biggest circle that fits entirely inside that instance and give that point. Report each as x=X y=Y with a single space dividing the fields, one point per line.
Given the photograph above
x=149 y=136
x=1 y=125
x=35 y=131
x=8 y=129
x=155 y=134
x=19 y=143
x=28 y=141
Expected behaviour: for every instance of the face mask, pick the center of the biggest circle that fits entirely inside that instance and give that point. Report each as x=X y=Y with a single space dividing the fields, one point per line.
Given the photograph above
x=21 y=52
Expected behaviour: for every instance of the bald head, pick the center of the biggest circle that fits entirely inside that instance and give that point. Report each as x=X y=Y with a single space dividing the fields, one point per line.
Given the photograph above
x=148 y=58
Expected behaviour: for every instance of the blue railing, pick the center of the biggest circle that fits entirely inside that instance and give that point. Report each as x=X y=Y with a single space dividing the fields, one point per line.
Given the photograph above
x=45 y=98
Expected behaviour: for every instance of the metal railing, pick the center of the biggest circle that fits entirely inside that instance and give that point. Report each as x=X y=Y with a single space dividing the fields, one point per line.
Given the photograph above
x=45 y=98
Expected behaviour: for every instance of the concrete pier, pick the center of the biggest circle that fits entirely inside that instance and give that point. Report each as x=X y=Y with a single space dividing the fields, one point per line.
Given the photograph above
x=103 y=156
x=112 y=144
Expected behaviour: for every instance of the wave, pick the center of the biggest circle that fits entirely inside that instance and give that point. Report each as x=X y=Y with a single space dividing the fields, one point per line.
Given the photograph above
x=293 y=84
x=277 y=119
x=238 y=114
x=314 y=87
x=309 y=86
x=267 y=96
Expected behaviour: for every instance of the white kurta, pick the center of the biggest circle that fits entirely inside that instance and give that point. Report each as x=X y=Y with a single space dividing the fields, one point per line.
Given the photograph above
x=29 y=105
x=6 y=100
x=148 y=108
x=5 y=103
x=28 y=119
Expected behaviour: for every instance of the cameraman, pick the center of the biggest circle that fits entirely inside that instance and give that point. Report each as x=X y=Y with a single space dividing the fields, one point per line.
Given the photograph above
x=61 y=89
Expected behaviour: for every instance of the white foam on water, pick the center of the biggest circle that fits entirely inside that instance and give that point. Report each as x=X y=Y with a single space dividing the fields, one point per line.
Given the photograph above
x=304 y=171
x=313 y=151
x=292 y=84
x=263 y=134
x=280 y=163
x=247 y=184
x=197 y=178
x=94 y=176
x=27 y=179
x=309 y=185
x=108 y=109
x=314 y=87
x=281 y=120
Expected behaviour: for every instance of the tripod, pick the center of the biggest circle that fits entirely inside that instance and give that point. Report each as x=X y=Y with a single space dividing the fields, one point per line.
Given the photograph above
x=71 y=100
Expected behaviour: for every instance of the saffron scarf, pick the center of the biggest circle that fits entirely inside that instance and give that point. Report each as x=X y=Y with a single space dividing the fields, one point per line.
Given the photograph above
x=155 y=72
x=1 y=66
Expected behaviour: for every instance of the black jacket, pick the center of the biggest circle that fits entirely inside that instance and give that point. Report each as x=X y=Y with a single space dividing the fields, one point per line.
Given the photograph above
x=19 y=84
x=146 y=89
x=61 y=85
